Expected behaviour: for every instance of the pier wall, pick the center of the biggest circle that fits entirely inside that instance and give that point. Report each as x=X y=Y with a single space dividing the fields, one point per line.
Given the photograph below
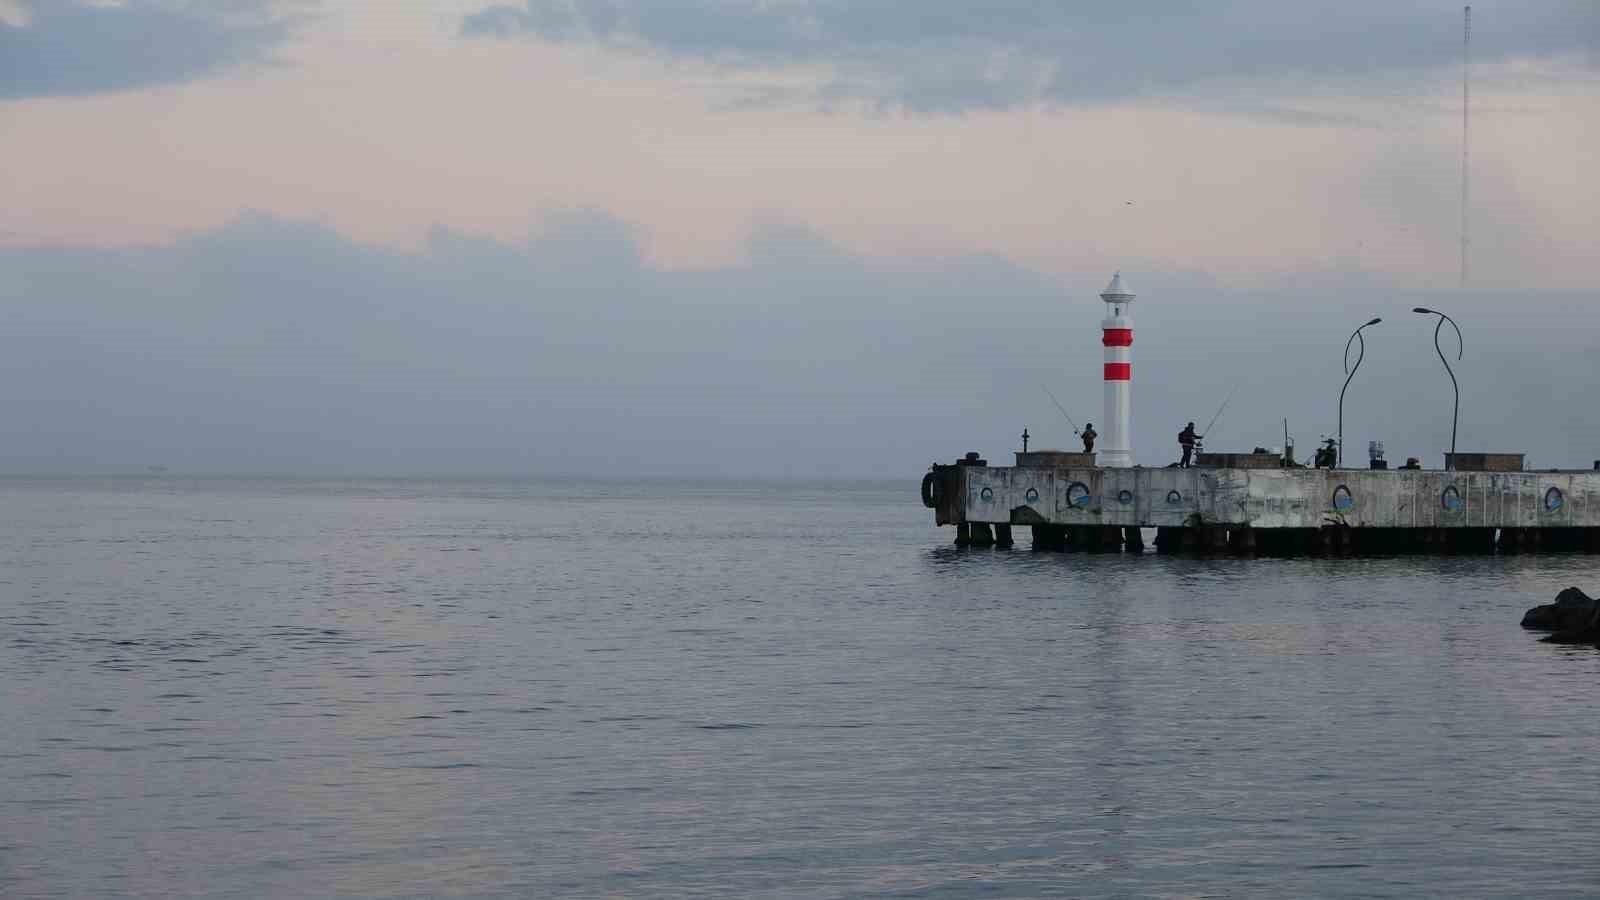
x=1270 y=498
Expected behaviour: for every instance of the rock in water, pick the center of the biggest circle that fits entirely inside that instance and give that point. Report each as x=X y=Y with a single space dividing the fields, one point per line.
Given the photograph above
x=1572 y=609
x=1574 y=617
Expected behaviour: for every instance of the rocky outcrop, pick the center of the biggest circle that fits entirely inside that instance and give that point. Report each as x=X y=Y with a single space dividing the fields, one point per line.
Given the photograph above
x=1574 y=618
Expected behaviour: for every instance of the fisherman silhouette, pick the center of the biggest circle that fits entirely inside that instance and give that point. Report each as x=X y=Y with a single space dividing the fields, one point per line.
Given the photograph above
x=1088 y=436
x=1187 y=440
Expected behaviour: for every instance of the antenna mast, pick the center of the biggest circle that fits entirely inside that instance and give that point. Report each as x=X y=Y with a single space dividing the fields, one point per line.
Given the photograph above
x=1466 y=134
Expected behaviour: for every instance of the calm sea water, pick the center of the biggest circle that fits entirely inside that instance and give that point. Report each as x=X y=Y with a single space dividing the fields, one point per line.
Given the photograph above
x=408 y=688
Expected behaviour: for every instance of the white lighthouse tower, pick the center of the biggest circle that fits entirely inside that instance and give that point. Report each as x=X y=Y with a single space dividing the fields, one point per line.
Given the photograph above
x=1117 y=335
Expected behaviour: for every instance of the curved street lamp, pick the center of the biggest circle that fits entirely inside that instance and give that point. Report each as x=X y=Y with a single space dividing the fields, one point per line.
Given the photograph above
x=1461 y=346
x=1349 y=373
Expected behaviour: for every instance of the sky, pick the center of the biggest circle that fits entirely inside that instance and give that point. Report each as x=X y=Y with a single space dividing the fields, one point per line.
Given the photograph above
x=780 y=238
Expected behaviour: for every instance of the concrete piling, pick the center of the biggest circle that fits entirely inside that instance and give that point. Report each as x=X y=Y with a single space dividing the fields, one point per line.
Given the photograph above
x=1169 y=540
x=1133 y=539
x=1332 y=540
x=1242 y=541
x=1049 y=537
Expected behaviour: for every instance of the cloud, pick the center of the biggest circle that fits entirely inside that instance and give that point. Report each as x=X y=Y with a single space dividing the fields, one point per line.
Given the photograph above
x=271 y=344
x=70 y=48
x=952 y=55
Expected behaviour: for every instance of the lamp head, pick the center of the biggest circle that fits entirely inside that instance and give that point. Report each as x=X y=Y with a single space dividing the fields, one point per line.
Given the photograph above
x=1375 y=320
x=1422 y=309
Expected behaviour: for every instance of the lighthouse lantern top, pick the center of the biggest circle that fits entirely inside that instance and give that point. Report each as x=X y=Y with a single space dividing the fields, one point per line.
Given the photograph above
x=1116 y=292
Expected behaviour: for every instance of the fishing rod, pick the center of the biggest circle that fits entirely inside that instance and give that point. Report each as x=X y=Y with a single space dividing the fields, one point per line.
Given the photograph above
x=1061 y=408
x=1224 y=406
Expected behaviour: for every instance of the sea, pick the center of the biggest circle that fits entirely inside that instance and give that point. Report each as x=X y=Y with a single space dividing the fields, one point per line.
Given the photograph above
x=277 y=687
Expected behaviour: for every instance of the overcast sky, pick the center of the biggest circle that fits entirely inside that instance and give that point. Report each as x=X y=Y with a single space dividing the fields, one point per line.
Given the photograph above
x=779 y=237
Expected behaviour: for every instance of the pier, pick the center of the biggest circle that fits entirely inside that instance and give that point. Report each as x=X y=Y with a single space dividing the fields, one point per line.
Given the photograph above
x=1246 y=507
x=1260 y=502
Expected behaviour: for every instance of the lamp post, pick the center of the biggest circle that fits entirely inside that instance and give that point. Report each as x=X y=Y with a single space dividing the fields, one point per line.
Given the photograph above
x=1349 y=373
x=1461 y=346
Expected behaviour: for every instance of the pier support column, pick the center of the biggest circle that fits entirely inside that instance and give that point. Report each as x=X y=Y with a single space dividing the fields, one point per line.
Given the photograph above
x=1133 y=539
x=1214 y=539
x=1510 y=540
x=1325 y=543
x=1482 y=540
x=1169 y=540
x=1242 y=541
x=963 y=535
x=982 y=535
x=1049 y=537
x=1002 y=536
x=1192 y=542
x=1091 y=538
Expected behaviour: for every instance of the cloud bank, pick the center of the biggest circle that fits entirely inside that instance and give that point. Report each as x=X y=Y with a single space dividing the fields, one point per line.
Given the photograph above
x=953 y=55
x=70 y=48
x=274 y=345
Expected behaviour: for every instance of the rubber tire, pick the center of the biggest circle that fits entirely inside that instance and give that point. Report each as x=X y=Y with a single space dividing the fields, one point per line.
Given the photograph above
x=932 y=490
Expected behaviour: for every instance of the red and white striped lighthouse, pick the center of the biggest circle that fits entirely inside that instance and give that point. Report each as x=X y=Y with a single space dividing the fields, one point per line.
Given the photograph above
x=1117 y=329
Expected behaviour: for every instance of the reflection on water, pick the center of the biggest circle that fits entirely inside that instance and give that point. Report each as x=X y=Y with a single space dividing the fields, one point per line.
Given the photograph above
x=500 y=688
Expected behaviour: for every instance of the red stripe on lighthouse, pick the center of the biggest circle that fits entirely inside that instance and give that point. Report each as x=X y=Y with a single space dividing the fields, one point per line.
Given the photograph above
x=1119 y=371
x=1118 y=337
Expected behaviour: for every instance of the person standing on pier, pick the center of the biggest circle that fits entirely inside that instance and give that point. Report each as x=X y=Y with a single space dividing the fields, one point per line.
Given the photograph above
x=1187 y=440
x=1088 y=434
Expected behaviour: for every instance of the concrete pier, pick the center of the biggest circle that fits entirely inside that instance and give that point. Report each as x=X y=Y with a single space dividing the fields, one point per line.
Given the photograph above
x=1253 y=511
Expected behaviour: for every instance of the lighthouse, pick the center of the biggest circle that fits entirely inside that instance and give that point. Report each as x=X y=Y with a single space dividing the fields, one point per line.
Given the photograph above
x=1117 y=334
